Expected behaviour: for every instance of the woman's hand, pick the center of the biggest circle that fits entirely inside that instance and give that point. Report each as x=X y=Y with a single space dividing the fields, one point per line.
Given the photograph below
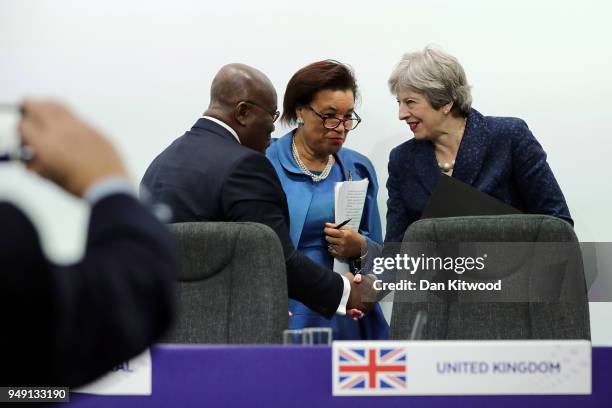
x=344 y=242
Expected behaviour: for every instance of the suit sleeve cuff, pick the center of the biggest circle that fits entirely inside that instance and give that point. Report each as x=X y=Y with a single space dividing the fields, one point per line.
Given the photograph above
x=107 y=187
x=345 y=295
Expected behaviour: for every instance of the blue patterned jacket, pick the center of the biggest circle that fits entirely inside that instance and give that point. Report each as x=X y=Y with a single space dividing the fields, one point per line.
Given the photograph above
x=498 y=156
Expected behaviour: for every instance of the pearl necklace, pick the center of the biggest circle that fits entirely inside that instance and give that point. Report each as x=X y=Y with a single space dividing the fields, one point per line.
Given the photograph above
x=315 y=177
x=446 y=167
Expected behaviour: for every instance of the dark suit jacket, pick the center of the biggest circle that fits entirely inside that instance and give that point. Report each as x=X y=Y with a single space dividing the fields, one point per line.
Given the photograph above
x=498 y=156
x=66 y=325
x=207 y=175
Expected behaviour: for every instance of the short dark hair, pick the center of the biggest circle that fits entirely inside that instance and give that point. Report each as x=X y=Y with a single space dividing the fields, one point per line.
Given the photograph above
x=318 y=76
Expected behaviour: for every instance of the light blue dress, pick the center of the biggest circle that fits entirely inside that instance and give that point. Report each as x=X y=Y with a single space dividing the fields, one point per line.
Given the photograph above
x=314 y=204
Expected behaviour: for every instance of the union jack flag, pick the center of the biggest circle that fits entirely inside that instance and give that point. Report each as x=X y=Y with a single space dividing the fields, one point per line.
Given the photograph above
x=374 y=368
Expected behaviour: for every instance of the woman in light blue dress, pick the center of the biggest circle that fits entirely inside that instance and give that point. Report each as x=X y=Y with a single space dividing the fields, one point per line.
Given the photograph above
x=309 y=161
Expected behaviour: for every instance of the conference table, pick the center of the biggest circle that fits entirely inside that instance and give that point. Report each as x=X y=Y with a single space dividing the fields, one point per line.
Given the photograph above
x=294 y=376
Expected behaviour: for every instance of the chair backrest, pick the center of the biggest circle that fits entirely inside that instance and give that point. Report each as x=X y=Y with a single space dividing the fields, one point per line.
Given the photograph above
x=232 y=284
x=567 y=317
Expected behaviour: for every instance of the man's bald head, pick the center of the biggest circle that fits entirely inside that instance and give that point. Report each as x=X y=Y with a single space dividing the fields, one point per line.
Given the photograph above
x=244 y=98
x=239 y=82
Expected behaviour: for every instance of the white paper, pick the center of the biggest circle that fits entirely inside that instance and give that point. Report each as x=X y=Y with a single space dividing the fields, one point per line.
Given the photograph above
x=132 y=377
x=349 y=202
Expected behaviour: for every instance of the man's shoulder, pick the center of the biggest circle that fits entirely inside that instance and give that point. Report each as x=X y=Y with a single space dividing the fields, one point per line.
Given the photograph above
x=250 y=183
x=253 y=164
x=7 y=208
x=21 y=237
x=197 y=150
x=230 y=155
x=11 y=214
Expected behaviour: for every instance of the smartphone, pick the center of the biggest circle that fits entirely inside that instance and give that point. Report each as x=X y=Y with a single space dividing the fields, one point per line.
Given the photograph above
x=11 y=147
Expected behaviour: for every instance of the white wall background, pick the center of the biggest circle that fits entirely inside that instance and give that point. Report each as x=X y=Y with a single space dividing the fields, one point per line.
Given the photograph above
x=141 y=71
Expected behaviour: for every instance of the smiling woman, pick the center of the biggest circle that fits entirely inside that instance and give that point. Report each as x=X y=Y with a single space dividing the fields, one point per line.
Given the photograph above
x=496 y=155
x=309 y=160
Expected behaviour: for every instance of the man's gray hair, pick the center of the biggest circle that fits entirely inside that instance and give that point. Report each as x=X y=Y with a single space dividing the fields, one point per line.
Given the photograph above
x=437 y=75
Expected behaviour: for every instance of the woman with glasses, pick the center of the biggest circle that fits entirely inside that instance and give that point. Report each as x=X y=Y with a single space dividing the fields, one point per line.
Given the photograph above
x=310 y=160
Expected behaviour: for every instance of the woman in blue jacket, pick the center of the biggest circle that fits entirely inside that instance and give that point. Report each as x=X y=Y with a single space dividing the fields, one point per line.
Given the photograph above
x=310 y=160
x=496 y=155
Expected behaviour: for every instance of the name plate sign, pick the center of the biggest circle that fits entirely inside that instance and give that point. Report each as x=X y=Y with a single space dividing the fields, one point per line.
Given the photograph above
x=492 y=367
x=132 y=377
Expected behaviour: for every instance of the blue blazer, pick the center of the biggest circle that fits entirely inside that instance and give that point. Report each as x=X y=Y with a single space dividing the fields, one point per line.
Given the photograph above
x=298 y=190
x=299 y=193
x=497 y=155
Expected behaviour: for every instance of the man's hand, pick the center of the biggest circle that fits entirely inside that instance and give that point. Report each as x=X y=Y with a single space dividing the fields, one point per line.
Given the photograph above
x=66 y=150
x=344 y=242
x=363 y=295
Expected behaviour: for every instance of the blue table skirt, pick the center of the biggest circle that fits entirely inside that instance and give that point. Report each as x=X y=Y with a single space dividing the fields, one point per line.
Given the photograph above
x=284 y=376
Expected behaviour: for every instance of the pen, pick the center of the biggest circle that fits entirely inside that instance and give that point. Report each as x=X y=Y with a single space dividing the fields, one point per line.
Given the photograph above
x=343 y=223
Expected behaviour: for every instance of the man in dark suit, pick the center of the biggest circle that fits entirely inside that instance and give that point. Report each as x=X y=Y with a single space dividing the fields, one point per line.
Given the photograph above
x=217 y=172
x=66 y=325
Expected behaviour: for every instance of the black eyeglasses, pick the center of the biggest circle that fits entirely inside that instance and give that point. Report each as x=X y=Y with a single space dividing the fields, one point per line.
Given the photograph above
x=332 y=122
x=274 y=115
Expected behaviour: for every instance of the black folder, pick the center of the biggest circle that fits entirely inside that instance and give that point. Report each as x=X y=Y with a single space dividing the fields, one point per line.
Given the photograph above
x=454 y=198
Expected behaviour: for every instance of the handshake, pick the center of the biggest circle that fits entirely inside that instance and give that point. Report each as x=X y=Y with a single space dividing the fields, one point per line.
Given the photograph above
x=363 y=296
